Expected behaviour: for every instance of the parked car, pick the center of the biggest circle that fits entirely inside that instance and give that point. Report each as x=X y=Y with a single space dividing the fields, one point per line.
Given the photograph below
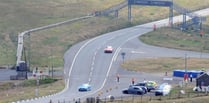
x=163 y=89
x=144 y=88
x=134 y=90
x=84 y=87
x=108 y=49
x=150 y=85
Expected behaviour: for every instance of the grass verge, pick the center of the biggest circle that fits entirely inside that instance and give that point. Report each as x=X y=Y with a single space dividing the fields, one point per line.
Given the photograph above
x=17 y=16
x=21 y=90
x=155 y=65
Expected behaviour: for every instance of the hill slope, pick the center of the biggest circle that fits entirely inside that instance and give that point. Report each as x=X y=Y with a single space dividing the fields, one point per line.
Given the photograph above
x=19 y=15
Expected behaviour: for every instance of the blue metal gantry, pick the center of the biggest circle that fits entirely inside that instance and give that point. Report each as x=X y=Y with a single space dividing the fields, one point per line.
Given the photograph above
x=196 y=20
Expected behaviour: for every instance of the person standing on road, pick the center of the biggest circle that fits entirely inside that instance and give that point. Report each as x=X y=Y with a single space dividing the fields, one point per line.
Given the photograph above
x=133 y=80
x=118 y=78
x=190 y=77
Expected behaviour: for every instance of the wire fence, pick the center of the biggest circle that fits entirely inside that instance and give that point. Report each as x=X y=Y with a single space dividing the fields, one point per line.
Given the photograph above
x=140 y=98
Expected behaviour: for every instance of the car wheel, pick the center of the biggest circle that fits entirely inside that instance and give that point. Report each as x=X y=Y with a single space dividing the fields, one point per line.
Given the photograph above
x=140 y=93
x=125 y=92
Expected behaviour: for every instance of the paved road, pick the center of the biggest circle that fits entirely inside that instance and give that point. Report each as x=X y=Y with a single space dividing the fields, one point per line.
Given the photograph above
x=86 y=62
x=6 y=73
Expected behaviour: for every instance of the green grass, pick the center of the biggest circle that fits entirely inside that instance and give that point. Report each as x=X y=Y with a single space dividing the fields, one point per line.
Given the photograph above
x=21 y=90
x=17 y=16
x=173 y=38
x=32 y=82
x=161 y=65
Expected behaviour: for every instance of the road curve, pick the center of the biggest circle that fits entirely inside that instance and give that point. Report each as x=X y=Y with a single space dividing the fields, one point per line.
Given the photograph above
x=86 y=62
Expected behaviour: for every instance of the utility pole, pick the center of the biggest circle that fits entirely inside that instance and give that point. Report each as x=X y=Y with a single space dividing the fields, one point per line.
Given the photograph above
x=52 y=64
x=29 y=51
x=185 y=63
x=186 y=72
x=37 y=86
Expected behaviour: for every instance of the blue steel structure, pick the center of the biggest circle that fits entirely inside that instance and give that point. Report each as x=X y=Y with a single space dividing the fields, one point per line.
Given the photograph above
x=195 y=19
x=161 y=3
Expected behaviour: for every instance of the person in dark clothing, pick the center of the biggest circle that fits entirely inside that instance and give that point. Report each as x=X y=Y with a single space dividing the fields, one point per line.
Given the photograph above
x=133 y=81
x=191 y=77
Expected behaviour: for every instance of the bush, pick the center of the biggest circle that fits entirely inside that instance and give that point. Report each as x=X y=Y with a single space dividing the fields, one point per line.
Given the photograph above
x=47 y=80
x=41 y=82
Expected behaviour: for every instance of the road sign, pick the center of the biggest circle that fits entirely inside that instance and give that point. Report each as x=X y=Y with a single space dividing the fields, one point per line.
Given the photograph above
x=123 y=54
x=150 y=2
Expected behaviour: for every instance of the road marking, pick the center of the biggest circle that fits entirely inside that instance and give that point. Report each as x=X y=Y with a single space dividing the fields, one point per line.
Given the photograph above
x=117 y=51
x=89 y=80
x=137 y=52
x=92 y=64
x=149 y=29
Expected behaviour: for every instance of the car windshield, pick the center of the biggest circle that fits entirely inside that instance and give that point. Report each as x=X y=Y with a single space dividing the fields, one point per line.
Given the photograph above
x=85 y=85
x=141 y=84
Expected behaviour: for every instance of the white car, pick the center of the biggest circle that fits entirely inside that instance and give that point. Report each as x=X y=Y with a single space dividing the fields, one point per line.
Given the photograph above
x=108 y=49
x=163 y=89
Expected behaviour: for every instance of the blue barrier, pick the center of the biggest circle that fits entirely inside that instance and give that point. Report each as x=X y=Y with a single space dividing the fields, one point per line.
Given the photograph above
x=194 y=73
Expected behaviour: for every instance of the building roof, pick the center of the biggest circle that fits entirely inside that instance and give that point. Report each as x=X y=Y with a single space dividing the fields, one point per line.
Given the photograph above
x=203 y=75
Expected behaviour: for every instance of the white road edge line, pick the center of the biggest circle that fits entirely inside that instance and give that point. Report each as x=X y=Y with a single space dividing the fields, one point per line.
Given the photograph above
x=67 y=86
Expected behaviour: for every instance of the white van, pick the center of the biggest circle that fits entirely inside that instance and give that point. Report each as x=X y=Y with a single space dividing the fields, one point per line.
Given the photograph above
x=163 y=89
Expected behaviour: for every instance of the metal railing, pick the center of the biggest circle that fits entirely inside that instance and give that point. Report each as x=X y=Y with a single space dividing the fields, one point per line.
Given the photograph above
x=112 y=9
x=21 y=35
x=98 y=13
x=184 y=11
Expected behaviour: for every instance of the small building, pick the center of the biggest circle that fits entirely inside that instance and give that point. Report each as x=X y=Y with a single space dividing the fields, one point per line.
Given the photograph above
x=202 y=80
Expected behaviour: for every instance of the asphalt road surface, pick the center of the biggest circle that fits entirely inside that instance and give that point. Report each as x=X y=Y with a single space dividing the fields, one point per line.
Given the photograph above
x=86 y=62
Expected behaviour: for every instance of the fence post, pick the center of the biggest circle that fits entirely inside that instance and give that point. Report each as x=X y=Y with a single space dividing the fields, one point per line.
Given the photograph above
x=97 y=100
x=141 y=98
x=160 y=98
x=132 y=98
x=169 y=96
x=179 y=95
x=150 y=98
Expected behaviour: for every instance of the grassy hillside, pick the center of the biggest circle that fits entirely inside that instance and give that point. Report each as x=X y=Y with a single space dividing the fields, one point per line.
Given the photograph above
x=172 y=38
x=49 y=45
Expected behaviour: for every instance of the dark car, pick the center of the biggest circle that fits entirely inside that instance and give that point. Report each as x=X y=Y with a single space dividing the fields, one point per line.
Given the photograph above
x=134 y=90
x=144 y=88
x=151 y=85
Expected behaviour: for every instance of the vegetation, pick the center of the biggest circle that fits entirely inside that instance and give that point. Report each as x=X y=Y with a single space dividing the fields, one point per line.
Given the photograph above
x=21 y=90
x=159 y=65
x=49 y=45
x=33 y=82
x=172 y=38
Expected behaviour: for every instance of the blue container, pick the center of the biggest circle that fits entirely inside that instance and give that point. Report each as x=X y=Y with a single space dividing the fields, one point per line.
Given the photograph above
x=194 y=73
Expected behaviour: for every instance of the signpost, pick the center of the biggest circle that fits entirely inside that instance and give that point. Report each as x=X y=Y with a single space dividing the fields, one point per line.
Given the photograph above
x=123 y=55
